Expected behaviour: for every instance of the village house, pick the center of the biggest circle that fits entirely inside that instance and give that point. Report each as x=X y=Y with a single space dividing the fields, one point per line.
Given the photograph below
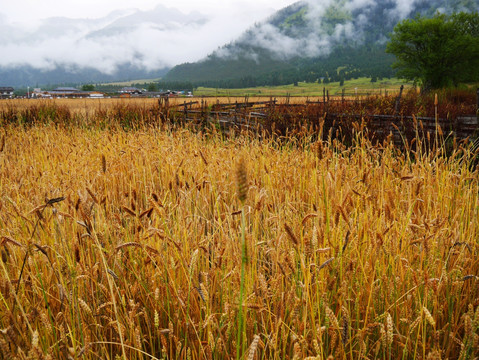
x=6 y=92
x=66 y=92
x=128 y=90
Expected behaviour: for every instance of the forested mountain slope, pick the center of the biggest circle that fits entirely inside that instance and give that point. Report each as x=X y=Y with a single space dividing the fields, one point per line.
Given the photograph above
x=308 y=40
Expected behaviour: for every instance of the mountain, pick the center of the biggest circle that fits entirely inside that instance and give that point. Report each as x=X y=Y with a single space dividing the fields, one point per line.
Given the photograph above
x=27 y=75
x=311 y=40
x=124 y=45
x=160 y=18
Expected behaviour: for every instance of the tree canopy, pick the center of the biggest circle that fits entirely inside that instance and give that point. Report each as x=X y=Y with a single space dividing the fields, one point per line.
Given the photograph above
x=88 y=87
x=152 y=87
x=437 y=52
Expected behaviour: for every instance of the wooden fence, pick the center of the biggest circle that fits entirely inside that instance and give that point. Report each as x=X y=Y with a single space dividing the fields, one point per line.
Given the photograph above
x=283 y=118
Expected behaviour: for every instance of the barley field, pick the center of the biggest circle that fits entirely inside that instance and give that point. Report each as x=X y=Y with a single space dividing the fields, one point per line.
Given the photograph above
x=158 y=241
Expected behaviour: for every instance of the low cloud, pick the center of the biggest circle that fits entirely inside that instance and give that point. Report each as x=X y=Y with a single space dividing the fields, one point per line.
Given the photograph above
x=352 y=20
x=148 y=40
x=165 y=37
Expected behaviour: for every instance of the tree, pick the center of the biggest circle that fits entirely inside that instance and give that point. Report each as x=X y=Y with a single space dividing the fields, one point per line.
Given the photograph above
x=437 y=52
x=88 y=87
x=152 y=87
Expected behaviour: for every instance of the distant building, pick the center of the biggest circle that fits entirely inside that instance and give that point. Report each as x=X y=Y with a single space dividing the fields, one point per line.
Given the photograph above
x=38 y=93
x=67 y=92
x=66 y=89
x=6 y=92
x=64 y=92
x=96 y=95
x=152 y=94
x=130 y=90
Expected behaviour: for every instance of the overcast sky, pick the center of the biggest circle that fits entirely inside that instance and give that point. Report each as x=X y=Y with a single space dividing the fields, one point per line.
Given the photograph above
x=154 y=34
x=26 y=11
x=29 y=35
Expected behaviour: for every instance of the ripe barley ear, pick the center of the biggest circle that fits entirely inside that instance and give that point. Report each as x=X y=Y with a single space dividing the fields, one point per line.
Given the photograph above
x=253 y=347
x=291 y=235
x=332 y=318
x=389 y=329
x=103 y=163
x=242 y=180
x=429 y=317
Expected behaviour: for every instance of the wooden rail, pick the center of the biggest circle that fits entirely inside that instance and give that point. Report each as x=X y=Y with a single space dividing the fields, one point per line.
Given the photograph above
x=262 y=115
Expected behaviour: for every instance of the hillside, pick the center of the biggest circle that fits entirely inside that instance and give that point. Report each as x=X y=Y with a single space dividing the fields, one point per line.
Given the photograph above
x=120 y=46
x=307 y=41
x=21 y=76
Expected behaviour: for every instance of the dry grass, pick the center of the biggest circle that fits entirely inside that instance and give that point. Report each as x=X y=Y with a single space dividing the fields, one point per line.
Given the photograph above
x=352 y=252
x=91 y=105
x=87 y=106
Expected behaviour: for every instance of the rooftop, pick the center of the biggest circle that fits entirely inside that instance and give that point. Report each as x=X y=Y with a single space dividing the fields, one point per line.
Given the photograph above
x=129 y=89
x=66 y=89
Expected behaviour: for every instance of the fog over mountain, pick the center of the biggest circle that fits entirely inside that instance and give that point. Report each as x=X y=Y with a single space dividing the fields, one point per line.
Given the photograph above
x=315 y=27
x=307 y=40
x=126 y=44
x=312 y=39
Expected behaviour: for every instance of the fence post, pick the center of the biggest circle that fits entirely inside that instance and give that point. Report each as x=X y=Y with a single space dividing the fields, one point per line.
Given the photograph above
x=398 y=101
x=477 y=108
x=327 y=104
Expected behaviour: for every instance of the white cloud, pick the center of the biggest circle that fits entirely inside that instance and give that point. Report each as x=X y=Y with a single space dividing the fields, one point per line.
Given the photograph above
x=321 y=38
x=94 y=36
x=103 y=39
x=403 y=8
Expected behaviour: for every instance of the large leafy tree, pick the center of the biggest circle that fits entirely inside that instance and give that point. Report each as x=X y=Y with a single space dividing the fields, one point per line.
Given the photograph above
x=88 y=87
x=437 y=52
